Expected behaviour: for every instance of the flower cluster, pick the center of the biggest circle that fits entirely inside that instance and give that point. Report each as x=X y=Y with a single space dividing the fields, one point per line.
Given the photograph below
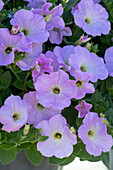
x=53 y=79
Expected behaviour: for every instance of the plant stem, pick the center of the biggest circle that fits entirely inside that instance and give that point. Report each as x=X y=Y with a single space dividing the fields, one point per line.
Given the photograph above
x=27 y=77
x=15 y=74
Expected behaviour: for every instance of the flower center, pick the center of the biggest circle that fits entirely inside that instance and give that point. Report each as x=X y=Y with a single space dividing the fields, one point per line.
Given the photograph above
x=48 y=18
x=83 y=69
x=87 y=20
x=90 y=133
x=40 y=106
x=57 y=135
x=25 y=32
x=8 y=50
x=79 y=83
x=16 y=116
x=56 y=90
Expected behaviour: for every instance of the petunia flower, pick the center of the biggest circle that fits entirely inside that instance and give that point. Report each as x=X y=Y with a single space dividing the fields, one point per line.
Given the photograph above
x=94 y=135
x=63 y=55
x=61 y=140
x=42 y=65
x=54 y=90
x=55 y=64
x=1 y=5
x=109 y=60
x=36 y=3
x=85 y=61
x=52 y=17
x=8 y=45
x=83 y=108
x=14 y=113
x=92 y=18
x=82 y=85
x=29 y=58
x=32 y=27
x=56 y=35
x=38 y=113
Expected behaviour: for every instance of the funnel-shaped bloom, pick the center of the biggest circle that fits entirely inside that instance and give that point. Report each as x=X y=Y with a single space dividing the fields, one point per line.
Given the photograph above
x=36 y=3
x=85 y=61
x=32 y=27
x=8 y=45
x=83 y=108
x=14 y=113
x=109 y=60
x=29 y=59
x=1 y=5
x=37 y=113
x=94 y=135
x=52 y=17
x=54 y=90
x=61 y=140
x=92 y=18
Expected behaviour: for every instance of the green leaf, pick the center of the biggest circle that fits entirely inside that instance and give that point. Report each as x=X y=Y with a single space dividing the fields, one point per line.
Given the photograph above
x=6 y=93
x=70 y=113
x=25 y=145
x=70 y=4
x=30 y=84
x=53 y=160
x=7 y=156
x=8 y=146
x=67 y=17
x=68 y=160
x=35 y=157
x=83 y=153
x=5 y=80
x=1 y=71
x=19 y=85
x=105 y=159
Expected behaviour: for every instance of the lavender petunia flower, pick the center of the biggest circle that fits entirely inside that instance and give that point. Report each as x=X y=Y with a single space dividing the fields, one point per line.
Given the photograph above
x=14 y=113
x=96 y=1
x=42 y=65
x=63 y=55
x=54 y=90
x=29 y=59
x=109 y=60
x=56 y=35
x=92 y=18
x=83 y=108
x=61 y=140
x=32 y=27
x=81 y=84
x=1 y=5
x=55 y=64
x=52 y=17
x=94 y=135
x=36 y=3
x=37 y=113
x=8 y=45
x=85 y=61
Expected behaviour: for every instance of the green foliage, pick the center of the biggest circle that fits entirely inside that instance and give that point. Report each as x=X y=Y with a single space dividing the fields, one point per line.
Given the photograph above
x=34 y=156
x=7 y=156
x=105 y=159
x=5 y=80
x=70 y=4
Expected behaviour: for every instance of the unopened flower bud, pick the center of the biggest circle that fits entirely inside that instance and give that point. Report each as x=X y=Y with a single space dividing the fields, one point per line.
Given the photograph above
x=88 y=46
x=101 y=115
x=72 y=129
x=26 y=129
x=15 y=29
x=83 y=39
